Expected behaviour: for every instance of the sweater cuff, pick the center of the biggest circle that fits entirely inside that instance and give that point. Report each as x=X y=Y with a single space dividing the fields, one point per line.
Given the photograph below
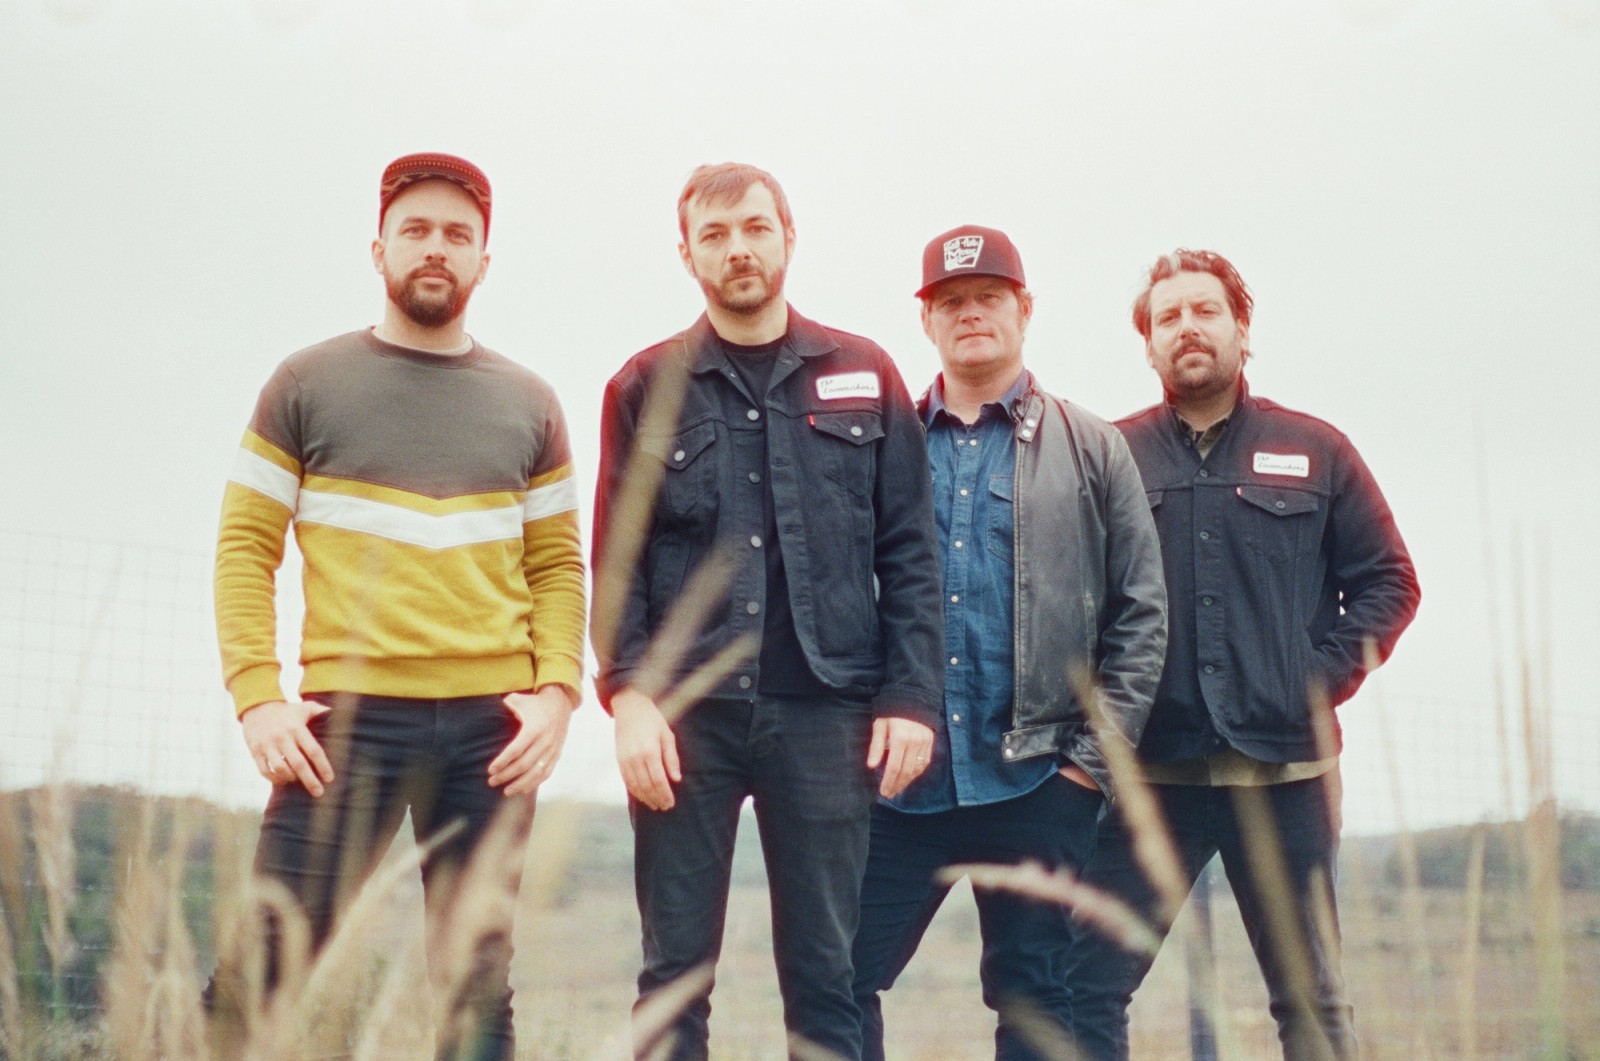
x=558 y=670
x=255 y=685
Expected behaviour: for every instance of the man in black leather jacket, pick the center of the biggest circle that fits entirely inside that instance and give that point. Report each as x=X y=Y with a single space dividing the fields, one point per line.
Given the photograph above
x=1052 y=593
x=766 y=616
x=1287 y=580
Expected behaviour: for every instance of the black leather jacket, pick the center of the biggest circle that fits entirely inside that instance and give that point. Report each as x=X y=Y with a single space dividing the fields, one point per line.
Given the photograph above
x=1089 y=603
x=1283 y=564
x=848 y=468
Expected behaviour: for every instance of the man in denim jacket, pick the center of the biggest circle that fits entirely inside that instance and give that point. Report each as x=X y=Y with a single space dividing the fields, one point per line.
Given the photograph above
x=767 y=616
x=1288 y=581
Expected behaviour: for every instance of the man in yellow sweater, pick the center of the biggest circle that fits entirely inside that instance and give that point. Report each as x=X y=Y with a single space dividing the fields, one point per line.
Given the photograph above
x=429 y=484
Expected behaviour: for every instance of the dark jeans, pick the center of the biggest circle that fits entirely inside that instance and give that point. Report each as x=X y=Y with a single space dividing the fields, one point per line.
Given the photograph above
x=1278 y=844
x=431 y=757
x=1024 y=940
x=803 y=762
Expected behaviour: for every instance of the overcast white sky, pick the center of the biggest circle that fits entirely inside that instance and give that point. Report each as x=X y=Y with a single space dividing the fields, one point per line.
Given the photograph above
x=1411 y=187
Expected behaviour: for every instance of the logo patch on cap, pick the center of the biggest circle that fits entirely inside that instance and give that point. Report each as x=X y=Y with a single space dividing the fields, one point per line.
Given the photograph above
x=962 y=252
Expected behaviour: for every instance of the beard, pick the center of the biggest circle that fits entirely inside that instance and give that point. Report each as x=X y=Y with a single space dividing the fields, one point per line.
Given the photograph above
x=429 y=309
x=748 y=303
x=1207 y=378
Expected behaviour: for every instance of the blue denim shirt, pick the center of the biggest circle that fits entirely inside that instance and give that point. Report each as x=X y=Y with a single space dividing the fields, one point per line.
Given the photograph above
x=972 y=477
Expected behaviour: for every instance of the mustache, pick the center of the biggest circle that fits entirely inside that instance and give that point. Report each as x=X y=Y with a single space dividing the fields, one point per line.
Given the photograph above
x=432 y=272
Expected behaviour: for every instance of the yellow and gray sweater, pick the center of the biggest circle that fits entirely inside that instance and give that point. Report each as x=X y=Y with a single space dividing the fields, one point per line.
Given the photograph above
x=434 y=506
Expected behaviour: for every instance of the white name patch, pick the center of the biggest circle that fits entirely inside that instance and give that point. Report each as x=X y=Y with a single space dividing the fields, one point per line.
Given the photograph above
x=848 y=385
x=1283 y=464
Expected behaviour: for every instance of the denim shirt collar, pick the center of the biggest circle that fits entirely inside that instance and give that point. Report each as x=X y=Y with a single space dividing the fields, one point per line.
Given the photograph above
x=1008 y=404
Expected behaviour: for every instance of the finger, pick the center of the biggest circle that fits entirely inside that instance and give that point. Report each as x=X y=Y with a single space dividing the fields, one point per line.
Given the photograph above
x=907 y=759
x=669 y=757
x=656 y=784
x=511 y=764
x=530 y=780
x=879 y=744
x=527 y=771
x=893 y=758
x=511 y=752
x=275 y=765
x=301 y=770
x=312 y=750
x=636 y=776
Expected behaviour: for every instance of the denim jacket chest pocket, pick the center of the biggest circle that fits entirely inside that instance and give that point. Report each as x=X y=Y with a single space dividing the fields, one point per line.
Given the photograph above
x=689 y=469
x=845 y=452
x=1281 y=523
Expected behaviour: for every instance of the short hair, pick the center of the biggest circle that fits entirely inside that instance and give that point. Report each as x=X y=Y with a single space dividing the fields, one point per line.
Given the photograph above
x=1183 y=260
x=726 y=182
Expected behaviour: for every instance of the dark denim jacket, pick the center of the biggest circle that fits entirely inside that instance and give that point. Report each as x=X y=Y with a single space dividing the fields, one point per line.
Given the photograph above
x=1283 y=563
x=679 y=573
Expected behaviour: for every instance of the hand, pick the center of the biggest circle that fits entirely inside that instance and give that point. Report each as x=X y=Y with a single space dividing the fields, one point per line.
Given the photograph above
x=1079 y=776
x=282 y=746
x=525 y=763
x=902 y=746
x=647 y=752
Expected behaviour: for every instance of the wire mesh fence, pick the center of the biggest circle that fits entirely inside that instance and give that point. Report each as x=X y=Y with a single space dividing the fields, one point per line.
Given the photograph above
x=112 y=704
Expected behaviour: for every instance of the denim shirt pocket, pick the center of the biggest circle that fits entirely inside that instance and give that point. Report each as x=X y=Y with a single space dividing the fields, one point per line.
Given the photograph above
x=1001 y=519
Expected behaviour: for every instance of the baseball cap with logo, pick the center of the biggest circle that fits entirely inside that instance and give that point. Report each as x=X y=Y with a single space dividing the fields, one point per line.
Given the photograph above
x=430 y=165
x=970 y=250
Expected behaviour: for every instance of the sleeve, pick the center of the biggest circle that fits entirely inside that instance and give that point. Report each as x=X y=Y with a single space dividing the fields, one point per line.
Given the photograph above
x=552 y=560
x=1133 y=628
x=906 y=562
x=1372 y=572
x=622 y=516
x=258 y=503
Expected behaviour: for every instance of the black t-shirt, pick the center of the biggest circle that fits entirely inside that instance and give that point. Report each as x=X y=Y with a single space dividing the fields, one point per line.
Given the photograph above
x=784 y=671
